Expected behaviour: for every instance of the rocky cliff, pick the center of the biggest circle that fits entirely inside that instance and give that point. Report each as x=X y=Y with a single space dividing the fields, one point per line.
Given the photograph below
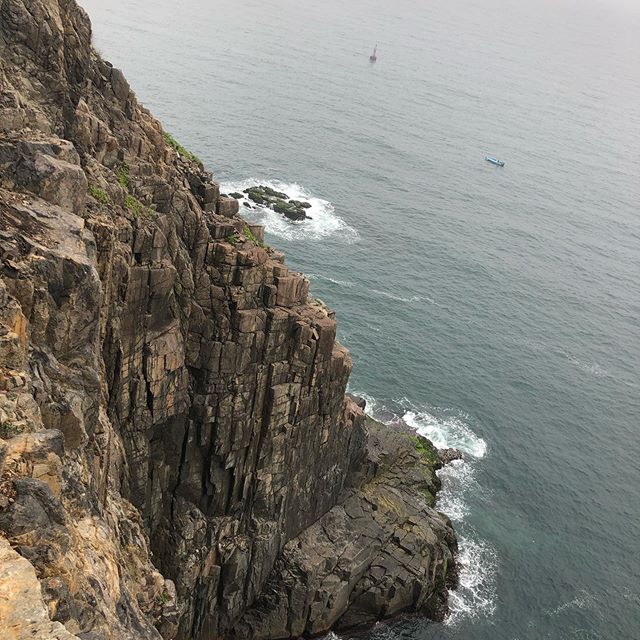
x=177 y=455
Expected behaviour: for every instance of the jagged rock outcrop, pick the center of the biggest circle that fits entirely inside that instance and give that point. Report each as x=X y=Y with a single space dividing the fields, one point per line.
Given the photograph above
x=177 y=455
x=377 y=553
x=22 y=609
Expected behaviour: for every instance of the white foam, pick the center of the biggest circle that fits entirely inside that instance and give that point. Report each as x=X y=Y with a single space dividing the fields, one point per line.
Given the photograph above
x=341 y=283
x=589 y=367
x=583 y=600
x=475 y=596
x=324 y=220
x=393 y=296
x=457 y=478
x=446 y=433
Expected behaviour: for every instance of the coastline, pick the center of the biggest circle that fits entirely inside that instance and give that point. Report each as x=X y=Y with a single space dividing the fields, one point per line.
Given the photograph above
x=178 y=457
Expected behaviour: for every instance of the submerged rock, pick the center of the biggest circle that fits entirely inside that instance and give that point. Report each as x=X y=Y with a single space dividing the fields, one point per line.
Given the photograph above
x=290 y=210
x=279 y=202
x=449 y=455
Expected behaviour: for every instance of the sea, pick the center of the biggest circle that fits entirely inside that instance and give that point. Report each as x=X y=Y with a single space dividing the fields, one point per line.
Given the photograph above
x=492 y=309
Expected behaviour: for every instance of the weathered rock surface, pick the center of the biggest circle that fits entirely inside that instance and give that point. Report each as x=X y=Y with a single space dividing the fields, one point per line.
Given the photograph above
x=449 y=455
x=177 y=455
x=278 y=201
x=381 y=551
x=23 y=614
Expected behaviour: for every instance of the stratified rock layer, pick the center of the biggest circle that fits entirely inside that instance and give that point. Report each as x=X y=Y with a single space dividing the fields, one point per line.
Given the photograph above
x=177 y=455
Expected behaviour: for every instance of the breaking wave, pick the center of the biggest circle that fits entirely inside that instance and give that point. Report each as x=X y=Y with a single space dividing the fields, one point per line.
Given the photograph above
x=446 y=433
x=475 y=596
x=324 y=221
x=341 y=283
x=397 y=298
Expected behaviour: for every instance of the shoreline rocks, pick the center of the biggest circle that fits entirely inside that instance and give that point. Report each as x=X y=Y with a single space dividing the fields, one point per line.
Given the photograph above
x=278 y=201
x=368 y=558
x=449 y=455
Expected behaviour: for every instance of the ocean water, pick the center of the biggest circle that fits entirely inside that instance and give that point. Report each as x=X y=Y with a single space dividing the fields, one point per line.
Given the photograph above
x=493 y=309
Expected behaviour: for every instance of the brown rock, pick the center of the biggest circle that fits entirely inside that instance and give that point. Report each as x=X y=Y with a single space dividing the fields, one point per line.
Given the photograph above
x=227 y=207
x=23 y=614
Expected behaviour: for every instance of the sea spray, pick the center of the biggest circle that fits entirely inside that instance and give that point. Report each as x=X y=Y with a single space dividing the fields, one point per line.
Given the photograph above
x=475 y=595
x=322 y=223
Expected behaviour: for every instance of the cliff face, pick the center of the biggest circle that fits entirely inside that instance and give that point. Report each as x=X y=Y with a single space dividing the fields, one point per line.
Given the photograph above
x=177 y=455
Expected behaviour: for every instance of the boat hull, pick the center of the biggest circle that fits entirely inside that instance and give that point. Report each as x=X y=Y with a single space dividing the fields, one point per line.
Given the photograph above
x=495 y=161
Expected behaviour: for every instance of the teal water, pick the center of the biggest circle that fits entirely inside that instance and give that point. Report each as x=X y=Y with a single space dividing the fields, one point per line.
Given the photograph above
x=497 y=310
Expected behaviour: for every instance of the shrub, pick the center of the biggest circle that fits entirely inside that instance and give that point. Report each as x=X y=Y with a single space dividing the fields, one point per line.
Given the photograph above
x=122 y=175
x=99 y=194
x=9 y=429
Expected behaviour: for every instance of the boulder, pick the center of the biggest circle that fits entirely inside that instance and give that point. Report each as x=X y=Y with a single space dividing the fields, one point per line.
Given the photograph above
x=227 y=206
x=290 y=211
x=449 y=455
x=360 y=402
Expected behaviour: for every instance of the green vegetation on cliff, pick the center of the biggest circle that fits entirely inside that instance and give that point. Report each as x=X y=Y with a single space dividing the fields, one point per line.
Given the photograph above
x=9 y=429
x=174 y=144
x=249 y=235
x=122 y=174
x=99 y=194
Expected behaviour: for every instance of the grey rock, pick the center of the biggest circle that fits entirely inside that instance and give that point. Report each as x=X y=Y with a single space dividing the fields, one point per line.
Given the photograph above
x=449 y=455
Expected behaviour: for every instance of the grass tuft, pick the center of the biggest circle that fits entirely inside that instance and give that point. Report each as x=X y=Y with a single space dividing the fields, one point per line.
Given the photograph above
x=122 y=175
x=9 y=429
x=99 y=194
x=137 y=208
x=249 y=235
x=174 y=144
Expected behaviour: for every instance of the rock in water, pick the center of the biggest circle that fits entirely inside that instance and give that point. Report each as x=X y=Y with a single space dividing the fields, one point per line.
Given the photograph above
x=274 y=194
x=177 y=455
x=360 y=402
x=301 y=204
x=279 y=202
x=290 y=210
x=449 y=455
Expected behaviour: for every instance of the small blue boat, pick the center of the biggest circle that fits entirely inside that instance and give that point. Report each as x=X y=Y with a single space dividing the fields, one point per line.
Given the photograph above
x=495 y=161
